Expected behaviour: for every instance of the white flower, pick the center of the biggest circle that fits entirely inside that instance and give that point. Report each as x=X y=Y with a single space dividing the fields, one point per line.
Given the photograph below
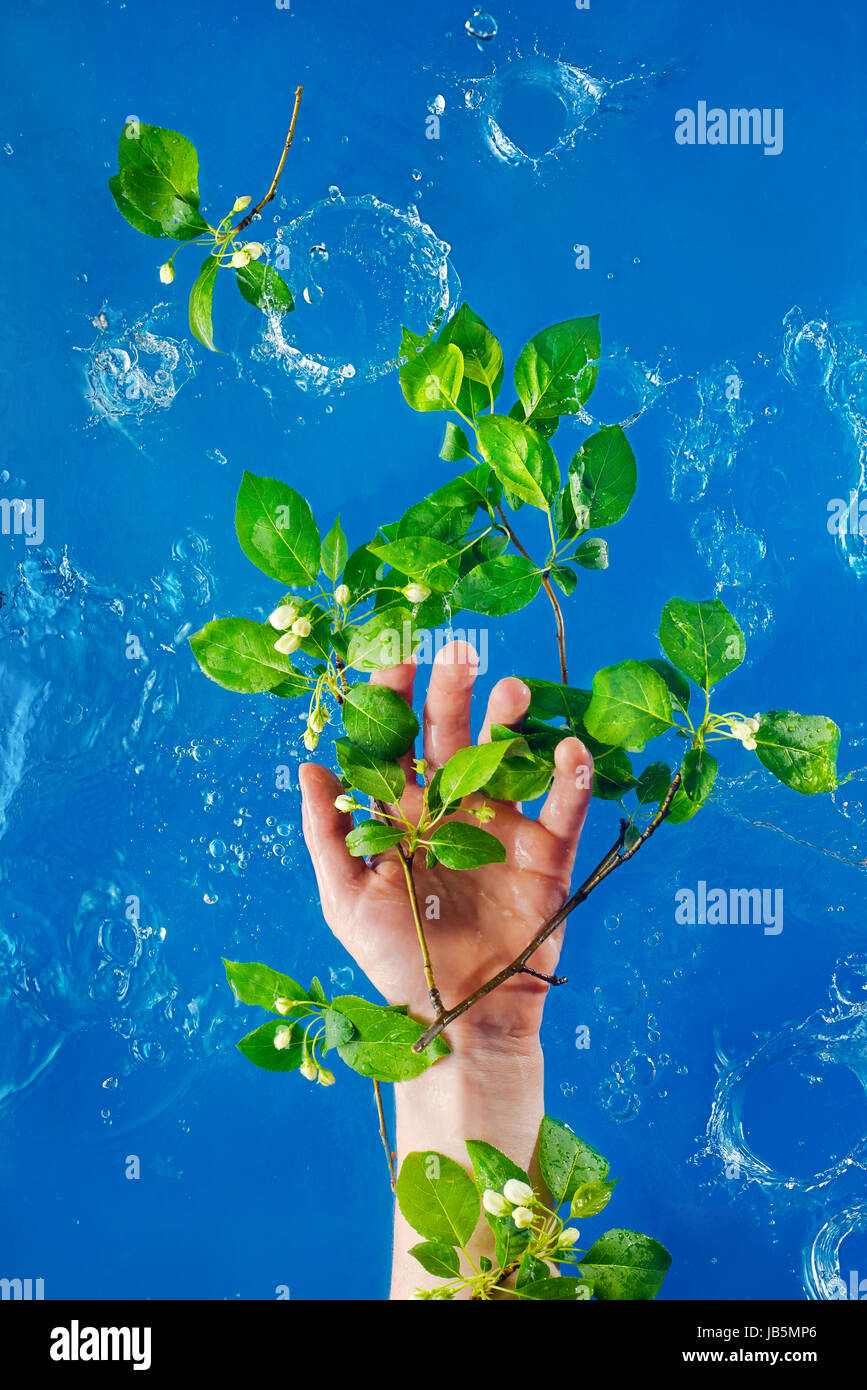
x=344 y=802
x=239 y=259
x=309 y=1069
x=282 y=1038
x=495 y=1202
x=754 y=722
x=283 y=1005
x=568 y=1238
x=302 y=627
x=167 y=273
x=283 y=617
x=341 y=595
x=749 y=743
x=242 y=202
x=254 y=250
x=517 y=1192
x=317 y=721
x=287 y=644
x=311 y=741
x=522 y=1217
x=416 y=593
x=325 y=1077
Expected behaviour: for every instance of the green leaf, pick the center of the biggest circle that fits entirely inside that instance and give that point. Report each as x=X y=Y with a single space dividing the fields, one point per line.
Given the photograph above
x=524 y=463
x=372 y=837
x=483 y=360
x=258 y=1046
x=379 y=720
x=316 y=992
x=381 y=1046
x=545 y=428
x=556 y=371
x=437 y=1258
x=626 y=1265
x=565 y=1288
x=551 y=700
x=431 y=379
x=566 y=1161
x=522 y=778
x=592 y=554
x=498 y=586
x=201 y=302
x=293 y=686
x=133 y=216
x=677 y=684
x=240 y=655
x=493 y=1169
x=362 y=572
x=565 y=577
x=630 y=704
x=276 y=530
x=470 y=768
x=455 y=445
x=531 y=1271
x=799 y=749
x=257 y=984
x=461 y=846
x=384 y=781
x=437 y=1198
x=602 y=477
x=653 y=784
x=445 y=513
x=421 y=558
x=591 y=1198
x=701 y=639
x=334 y=552
x=158 y=176
x=612 y=777
x=264 y=287
x=387 y=639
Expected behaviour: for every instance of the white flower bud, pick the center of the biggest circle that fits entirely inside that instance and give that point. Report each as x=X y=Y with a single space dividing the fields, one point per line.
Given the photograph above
x=243 y=202
x=309 y=1069
x=754 y=722
x=517 y=1192
x=254 y=250
x=522 y=1217
x=568 y=1238
x=740 y=730
x=283 y=617
x=325 y=1077
x=167 y=273
x=239 y=259
x=341 y=595
x=344 y=802
x=495 y=1202
x=287 y=644
x=317 y=721
x=283 y=1005
x=311 y=741
x=749 y=743
x=416 y=593
x=282 y=1038
x=302 y=627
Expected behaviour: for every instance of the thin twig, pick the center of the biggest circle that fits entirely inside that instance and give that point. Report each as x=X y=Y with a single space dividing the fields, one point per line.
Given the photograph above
x=245 y=221
x=616 y=856
x=549 y=979
x=433 y=992
x=549 y=590
x=383 y=1133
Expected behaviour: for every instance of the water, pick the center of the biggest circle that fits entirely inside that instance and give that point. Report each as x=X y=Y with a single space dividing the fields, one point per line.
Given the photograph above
x=144 y=832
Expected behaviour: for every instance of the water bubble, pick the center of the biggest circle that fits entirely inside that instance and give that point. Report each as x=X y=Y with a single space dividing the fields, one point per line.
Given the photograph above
x=481 y=25
x=110 y=1083
x=437 y=105
x=217 y=848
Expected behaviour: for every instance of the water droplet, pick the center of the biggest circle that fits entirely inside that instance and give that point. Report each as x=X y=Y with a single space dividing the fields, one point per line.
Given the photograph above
x=437 y=105
x=481 y=25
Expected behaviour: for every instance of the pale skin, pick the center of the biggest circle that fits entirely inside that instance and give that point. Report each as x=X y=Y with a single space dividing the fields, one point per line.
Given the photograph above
x=491 y=1087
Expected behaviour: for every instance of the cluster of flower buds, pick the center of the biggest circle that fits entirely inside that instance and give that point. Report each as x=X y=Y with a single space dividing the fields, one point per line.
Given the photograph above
x=517 y=1200
x=310 y=1069
x=288 y=620
x=250 y=251
x=746 y=730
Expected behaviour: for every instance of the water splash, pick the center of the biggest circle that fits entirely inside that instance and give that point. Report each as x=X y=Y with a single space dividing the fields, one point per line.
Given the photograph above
x=576 y=93
x=358 y=269
x=135 y=371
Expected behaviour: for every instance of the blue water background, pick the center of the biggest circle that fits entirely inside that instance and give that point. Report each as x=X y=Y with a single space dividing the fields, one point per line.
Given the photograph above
x=117 y=774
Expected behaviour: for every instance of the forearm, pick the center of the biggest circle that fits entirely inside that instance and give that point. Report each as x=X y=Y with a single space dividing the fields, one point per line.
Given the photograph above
x=495 y=1094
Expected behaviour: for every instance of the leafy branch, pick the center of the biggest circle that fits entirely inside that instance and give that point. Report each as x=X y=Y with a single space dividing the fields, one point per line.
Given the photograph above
x=156 y=189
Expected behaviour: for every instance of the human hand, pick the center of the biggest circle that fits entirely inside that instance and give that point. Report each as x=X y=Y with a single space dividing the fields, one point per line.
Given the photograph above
x=475 y=920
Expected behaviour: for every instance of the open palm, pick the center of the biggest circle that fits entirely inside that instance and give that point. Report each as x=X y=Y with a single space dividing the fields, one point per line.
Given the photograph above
x=475 y=920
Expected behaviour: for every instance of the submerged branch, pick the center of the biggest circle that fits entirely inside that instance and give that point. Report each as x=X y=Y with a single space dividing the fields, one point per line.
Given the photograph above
x=245 y=221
